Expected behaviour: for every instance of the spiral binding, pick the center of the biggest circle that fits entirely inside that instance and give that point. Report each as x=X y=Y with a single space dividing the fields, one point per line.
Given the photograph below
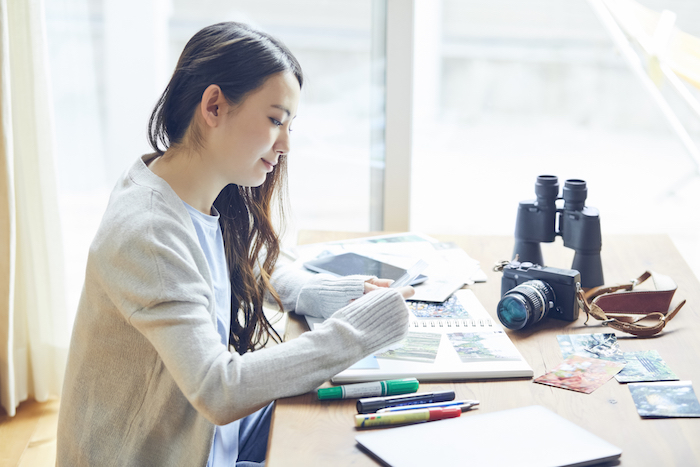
x=452 y=323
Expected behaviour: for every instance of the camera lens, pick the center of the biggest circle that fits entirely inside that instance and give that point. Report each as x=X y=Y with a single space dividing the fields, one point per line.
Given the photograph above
x=525 y=304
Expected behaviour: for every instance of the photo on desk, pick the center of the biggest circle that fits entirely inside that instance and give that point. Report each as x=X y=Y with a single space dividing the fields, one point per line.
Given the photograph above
x=673 y=399
x=646 y=365
x=581 y=374
x=600 y=345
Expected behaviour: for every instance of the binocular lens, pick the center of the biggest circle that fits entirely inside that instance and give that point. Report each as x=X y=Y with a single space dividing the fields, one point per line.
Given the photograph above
x=525 y=304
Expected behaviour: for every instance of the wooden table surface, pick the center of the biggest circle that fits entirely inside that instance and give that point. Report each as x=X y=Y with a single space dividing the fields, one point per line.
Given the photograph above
x=312 y=433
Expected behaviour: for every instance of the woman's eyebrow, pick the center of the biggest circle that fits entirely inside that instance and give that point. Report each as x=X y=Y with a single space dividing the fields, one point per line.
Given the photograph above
x=281 y=107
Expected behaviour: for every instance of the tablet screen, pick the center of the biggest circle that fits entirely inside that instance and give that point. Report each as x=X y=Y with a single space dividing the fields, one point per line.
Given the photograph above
x=347 y=264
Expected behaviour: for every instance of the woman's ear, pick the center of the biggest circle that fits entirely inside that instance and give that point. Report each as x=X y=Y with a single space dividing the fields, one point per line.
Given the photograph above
x=212 y=105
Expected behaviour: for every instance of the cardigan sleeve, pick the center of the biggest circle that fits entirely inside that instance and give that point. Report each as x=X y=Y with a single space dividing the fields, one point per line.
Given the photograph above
x=225 y=386
x=155 y=275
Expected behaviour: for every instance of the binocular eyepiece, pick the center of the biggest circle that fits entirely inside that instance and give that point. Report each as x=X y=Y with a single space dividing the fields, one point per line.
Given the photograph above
x=574 y=193
x=578 y=225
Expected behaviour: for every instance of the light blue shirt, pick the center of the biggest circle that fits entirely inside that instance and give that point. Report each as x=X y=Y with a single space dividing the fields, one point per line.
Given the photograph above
x=224 y=450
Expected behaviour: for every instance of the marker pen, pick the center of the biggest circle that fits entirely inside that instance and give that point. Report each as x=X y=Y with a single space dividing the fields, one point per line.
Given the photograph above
x=372 y=404
x=375 y=388
x=409 y=416
x=463 y=404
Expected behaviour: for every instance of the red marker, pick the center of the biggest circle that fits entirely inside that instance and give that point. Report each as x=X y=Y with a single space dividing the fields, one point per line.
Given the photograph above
x=406 y=416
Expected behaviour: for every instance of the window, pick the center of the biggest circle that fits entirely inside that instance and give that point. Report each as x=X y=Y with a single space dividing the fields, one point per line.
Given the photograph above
x=502 y=91
x=508 y=90
x=111 y=60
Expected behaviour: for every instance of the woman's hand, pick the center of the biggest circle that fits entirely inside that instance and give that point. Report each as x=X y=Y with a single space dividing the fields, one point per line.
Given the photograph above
x=374 y=284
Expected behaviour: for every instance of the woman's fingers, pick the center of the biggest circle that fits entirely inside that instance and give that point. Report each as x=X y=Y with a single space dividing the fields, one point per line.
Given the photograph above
x=406 y=291
x=374 y=284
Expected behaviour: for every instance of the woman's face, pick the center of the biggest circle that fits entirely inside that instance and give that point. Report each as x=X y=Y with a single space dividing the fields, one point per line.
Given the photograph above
x=255 y=133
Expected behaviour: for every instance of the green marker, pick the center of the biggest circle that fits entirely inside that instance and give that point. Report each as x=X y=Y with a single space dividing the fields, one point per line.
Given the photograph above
x=373 y=389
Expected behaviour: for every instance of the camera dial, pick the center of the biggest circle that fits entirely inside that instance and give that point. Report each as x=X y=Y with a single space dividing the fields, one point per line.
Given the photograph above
x=525 y=304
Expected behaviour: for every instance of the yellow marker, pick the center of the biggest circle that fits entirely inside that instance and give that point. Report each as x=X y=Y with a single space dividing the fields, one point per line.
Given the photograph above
x=408 y=416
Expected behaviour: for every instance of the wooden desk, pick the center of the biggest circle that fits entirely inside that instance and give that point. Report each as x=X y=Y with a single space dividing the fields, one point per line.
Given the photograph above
x=310 y=433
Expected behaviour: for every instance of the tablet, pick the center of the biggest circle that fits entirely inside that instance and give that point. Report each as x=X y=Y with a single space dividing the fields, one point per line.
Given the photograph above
x=347 y=264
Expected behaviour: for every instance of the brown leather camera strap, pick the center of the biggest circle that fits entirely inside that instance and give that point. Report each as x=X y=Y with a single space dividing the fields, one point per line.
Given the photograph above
x=623 y=308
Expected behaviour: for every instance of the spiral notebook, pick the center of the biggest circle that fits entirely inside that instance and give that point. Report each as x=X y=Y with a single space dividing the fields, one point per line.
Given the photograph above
x=451 y=341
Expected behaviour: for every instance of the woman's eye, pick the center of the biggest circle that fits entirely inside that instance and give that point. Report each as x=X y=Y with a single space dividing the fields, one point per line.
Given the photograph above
x=276 y=122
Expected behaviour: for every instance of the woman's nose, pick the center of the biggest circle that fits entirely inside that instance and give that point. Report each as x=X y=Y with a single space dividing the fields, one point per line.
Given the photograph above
x=282 y=145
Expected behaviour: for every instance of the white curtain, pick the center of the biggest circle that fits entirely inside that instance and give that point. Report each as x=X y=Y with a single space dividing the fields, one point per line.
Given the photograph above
x=34 y=330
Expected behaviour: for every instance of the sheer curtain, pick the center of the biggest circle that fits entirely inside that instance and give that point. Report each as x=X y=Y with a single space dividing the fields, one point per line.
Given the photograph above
x=33 y=326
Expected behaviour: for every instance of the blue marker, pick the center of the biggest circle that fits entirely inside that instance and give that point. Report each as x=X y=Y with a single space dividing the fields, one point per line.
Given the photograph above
x=464 y=405
x=372 y=404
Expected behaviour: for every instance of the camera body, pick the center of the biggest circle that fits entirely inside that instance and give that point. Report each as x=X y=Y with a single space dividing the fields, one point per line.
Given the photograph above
x=564 y=283
x=578 y=225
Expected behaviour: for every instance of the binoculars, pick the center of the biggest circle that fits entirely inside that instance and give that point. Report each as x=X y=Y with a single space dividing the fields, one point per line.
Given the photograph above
x=579 y=227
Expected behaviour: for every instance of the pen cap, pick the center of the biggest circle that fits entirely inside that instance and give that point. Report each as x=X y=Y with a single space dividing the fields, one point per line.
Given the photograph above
x=402 y=386
x=330 y=393
x=443 y=413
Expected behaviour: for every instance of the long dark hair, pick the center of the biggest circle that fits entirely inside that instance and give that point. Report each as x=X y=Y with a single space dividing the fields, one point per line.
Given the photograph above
x=239 y=59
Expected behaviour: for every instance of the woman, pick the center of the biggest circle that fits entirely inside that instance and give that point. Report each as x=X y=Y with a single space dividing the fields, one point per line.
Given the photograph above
x=181 y=264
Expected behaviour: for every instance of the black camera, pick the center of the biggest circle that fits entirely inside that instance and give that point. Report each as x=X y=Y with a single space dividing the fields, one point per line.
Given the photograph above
x=530 y=292
x=579 y=227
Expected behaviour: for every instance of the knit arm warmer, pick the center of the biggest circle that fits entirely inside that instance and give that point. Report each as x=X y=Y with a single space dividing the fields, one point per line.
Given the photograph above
x=312 y=294
x=376 y=320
